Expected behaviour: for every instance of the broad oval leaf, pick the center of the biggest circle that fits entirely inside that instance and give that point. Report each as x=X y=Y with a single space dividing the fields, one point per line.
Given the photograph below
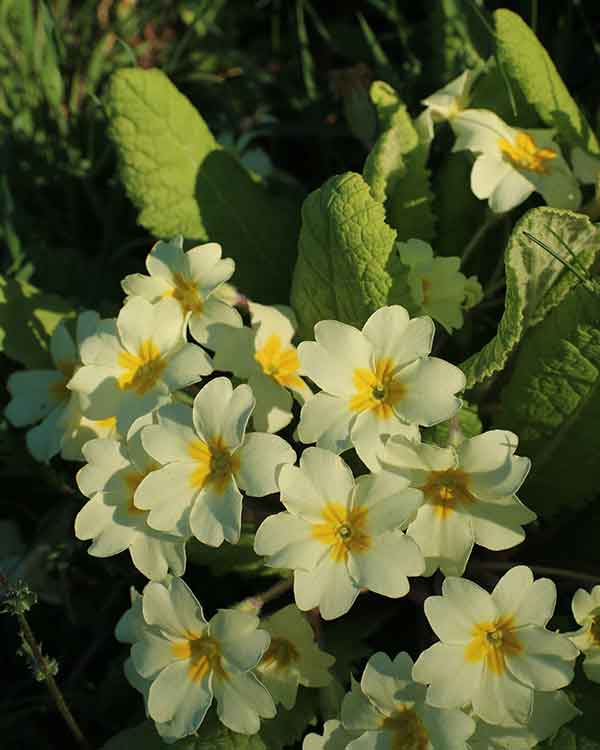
x=183 y=182
x=535 y=280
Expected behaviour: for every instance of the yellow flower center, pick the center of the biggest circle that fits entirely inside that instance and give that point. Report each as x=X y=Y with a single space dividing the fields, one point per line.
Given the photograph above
x=408 y=732
x=59 y=390
x=377 y=390
x=278 y=363
x=215 y=464
x=342 y=530
x=204 y=654
x=281 y=653
x=108 y=423
x=186 y=293
x=132 y=480
x=525 y=154
x=492 y=641
x=141 y=370
x=445 y=489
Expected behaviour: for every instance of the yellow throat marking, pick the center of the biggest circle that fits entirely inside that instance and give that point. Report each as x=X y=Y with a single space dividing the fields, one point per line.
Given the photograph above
x=342 y=530
x=525 y=154
x=408 y=732
x=185 y=291
x=377 y=390
x=204 y=654
x=215 y=464
x=141 y=371
x=446 y=489
x=492 y=642
x=278 y=363
x=280 y=654
x=59 y=390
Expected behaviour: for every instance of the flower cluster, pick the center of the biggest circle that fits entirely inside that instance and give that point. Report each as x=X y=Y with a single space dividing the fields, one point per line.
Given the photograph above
x=169 y=457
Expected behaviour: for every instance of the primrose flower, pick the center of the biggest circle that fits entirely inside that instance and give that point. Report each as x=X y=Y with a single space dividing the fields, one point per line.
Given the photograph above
x=550 y=711
x=134 y=363
x=375 y=382
x=265 y=357
x=334 y=737
x=193 y=278
x=293 y=658
x=511 y=164
x=437 y=286
x=494 y=650
x=205 y=457
x=340 y=536
x=111 y=517
x=451 y=100
x=586 y=611
x=390 y=711
x=42 y=396
x=189 y=661
x=469 y=496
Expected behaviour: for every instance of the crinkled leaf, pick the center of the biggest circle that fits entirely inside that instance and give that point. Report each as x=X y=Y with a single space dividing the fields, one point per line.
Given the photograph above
x=396 y=170
x=27 y=318
x=288 y=727
x=553 y=403
x=535 y=281
x=386 y=101
x=183 y=182
x=529 y=66
x=343 y=253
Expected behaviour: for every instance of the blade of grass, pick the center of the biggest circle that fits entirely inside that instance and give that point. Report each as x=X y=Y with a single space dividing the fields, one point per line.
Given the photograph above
x=306 y=58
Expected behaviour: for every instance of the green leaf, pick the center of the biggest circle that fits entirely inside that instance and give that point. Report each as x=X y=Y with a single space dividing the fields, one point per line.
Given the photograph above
x=530 y=68
x=288 y=727
x=458 y=39
x=491 y=91
x=396 y=170
x=458 y=211
x=343 y=253
x=468 y=420
x=212 y=735
x=535 y=281
x=386 y=102
x=183 y=182
x=553 y=403
x=28 y=317
x=240 y=558
x=141 y=737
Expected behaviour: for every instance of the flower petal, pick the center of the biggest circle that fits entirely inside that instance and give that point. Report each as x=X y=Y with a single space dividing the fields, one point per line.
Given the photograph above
x=262 y=457
x=385 y=566
x=326 y=419
x=327 y=586
x=216 y=516
x=241 y=700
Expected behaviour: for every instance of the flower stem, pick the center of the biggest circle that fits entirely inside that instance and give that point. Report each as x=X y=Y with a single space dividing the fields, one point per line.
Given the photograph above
x=501 y=566
x=53 y=688
x=47 y=672
x=475 y=240
x=257 y=602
